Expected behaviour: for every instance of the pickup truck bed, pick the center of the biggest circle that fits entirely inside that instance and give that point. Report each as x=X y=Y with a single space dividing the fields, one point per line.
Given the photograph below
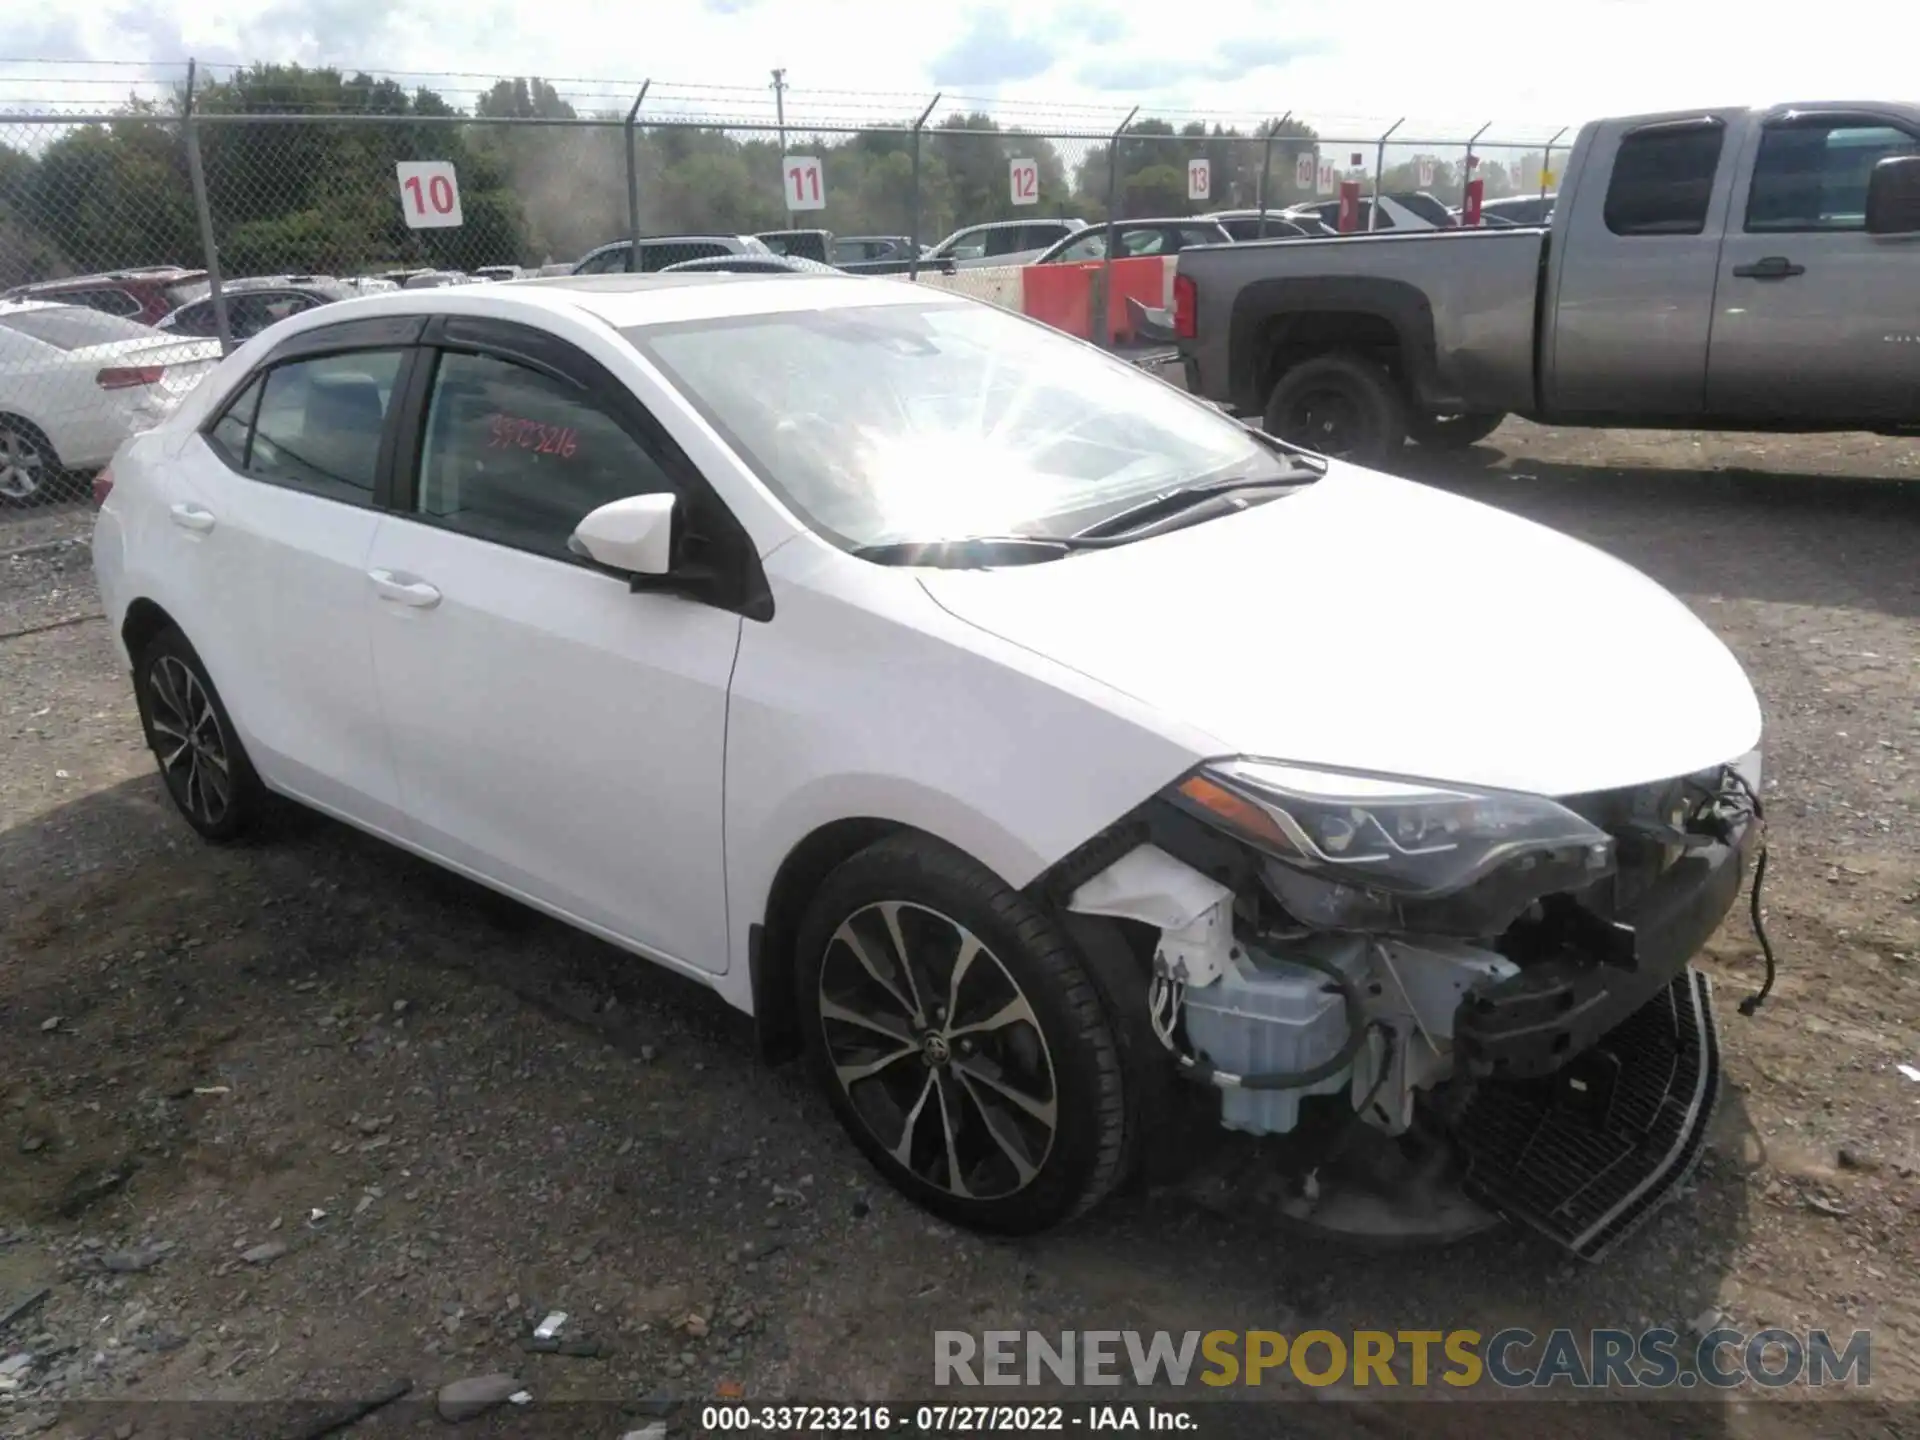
x=1734 y=269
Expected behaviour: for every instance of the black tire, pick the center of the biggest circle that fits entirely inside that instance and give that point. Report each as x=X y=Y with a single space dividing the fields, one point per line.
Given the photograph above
x=30 y=470
x=1341 y=405
x=177 y=699
x=975 y=1158
x=1452 y=432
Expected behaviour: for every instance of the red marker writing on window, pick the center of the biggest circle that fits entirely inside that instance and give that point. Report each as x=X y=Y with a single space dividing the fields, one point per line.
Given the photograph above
x=511 y=432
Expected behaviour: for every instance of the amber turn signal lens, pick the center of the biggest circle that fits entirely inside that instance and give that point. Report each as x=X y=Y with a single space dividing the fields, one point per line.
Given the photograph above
x=1237 y=813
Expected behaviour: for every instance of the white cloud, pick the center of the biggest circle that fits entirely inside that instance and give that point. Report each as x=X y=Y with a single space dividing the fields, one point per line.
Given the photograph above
x=1353 y=70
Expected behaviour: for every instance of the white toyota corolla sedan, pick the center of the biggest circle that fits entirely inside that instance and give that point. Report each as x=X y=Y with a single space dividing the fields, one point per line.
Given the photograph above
x=1045 y=752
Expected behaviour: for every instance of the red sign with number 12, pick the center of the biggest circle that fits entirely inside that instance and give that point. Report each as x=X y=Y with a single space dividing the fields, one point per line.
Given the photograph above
x=1024 y=177
x=802 y=182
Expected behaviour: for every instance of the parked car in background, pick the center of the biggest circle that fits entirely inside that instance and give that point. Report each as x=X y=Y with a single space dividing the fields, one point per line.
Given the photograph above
x=1004 y=242
x=807 y=244
x=146 y=295
x=753 y=265
x=75 y=382
x=499 y=272
x=852 y=249
x=552 y=268
x=435 y=279
x=1268 y=225
x=1134 y=239
x=657 y=252
x=368 y=284
x=1712 y=269
x=1519 y=209
x=253 y=305
x=1405 y=210
x=826 y=248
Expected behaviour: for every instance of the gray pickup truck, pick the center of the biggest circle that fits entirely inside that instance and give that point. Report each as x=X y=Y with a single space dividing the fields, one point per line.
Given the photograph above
x=1732 y=269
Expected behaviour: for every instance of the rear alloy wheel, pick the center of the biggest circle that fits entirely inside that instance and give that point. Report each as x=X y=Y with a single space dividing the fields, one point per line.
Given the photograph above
x=1452 y=432
x=1343 y=406
x=206 y=771
x=959 y=1039
x=27 y=464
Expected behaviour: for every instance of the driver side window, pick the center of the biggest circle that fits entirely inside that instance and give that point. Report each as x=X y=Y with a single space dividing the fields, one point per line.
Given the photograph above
x=517 y=457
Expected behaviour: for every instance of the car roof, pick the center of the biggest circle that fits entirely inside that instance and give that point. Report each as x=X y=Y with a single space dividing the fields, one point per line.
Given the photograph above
x=1009 y=224
x=15 y=307
x=624 y=301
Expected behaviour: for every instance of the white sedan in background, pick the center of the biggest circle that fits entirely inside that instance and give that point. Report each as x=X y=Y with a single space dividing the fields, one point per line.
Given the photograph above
x=75 y=383
x=1013 y=731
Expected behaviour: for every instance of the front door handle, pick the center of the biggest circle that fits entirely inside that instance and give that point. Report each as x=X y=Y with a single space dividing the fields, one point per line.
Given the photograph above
x=417 y=593
x=1774 y=267
x=196 y=518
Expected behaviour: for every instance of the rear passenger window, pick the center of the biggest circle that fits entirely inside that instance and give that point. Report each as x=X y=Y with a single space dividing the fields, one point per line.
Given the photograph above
x=229 y=433
x=107 y=302
x=519 y=458
x=319 y=423
x=608 y=263
x=1662 y=180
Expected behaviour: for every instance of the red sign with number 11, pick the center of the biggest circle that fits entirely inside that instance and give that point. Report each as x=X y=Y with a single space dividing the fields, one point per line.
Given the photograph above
x=801 y=180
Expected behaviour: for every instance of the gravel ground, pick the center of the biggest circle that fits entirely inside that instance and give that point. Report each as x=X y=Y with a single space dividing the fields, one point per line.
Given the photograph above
x=300 y=1118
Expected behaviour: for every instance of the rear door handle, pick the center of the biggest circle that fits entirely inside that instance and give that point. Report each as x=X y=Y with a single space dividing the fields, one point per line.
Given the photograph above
x=417 y=593
x=1774 y=267
x=191 y=517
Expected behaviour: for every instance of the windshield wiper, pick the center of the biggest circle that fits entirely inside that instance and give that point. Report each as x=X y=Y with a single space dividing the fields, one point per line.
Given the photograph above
x=1172 y=502
x=978 y=551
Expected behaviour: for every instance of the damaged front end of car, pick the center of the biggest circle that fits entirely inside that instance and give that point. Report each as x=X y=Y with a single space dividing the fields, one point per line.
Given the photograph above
x=1493 y=986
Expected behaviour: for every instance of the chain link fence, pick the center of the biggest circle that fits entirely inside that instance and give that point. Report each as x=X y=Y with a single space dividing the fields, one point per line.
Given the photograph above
x=138 y=243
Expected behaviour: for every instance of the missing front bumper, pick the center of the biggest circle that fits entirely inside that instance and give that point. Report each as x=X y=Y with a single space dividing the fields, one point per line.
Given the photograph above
x=1585 y=1155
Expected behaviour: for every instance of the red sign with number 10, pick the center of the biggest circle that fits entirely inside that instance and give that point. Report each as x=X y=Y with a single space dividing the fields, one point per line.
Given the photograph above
x=429 y=194
x=802 y=183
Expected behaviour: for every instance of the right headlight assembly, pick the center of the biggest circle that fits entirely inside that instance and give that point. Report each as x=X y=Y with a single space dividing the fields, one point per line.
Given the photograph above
x=1356 y=851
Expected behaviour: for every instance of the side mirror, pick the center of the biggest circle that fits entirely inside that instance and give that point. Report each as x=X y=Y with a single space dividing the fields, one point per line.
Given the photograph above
x=634 y=535
x=1893 y=196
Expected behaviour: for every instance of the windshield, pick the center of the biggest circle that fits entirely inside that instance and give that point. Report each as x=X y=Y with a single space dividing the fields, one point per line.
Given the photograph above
x=944 y=421
x=73 y=327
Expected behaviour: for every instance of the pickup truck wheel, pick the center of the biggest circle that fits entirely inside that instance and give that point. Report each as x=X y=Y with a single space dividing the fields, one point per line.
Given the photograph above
x=1452 y=432
x=1343 y=406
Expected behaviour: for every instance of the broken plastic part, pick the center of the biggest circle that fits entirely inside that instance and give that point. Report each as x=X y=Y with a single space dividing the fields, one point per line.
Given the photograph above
x=1193 y=913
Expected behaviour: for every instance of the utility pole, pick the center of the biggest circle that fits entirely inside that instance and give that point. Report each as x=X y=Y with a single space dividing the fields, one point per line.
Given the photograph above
x=780 y=114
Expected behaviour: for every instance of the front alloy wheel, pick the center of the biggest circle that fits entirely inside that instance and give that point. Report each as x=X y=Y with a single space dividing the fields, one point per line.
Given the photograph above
x=938 y=1050
x=958 y=1036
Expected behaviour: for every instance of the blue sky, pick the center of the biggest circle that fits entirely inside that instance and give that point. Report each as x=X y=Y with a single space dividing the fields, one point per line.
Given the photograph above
x=1528 y=67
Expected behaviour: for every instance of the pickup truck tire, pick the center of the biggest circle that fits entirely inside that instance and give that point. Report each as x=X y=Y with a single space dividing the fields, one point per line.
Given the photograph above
x=1452 y=432
x=1340 y=405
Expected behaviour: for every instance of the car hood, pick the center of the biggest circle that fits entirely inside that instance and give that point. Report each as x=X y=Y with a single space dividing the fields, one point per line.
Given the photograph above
x=1374 y=624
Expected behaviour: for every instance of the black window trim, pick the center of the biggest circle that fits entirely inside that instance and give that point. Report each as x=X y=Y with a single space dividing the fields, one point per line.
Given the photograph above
x=736 y=582
x=1815 y=120
x=1686 y=125
x=380 y=333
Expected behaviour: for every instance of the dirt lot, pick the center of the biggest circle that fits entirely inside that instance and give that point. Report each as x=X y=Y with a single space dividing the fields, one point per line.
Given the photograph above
x=443 y=1116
